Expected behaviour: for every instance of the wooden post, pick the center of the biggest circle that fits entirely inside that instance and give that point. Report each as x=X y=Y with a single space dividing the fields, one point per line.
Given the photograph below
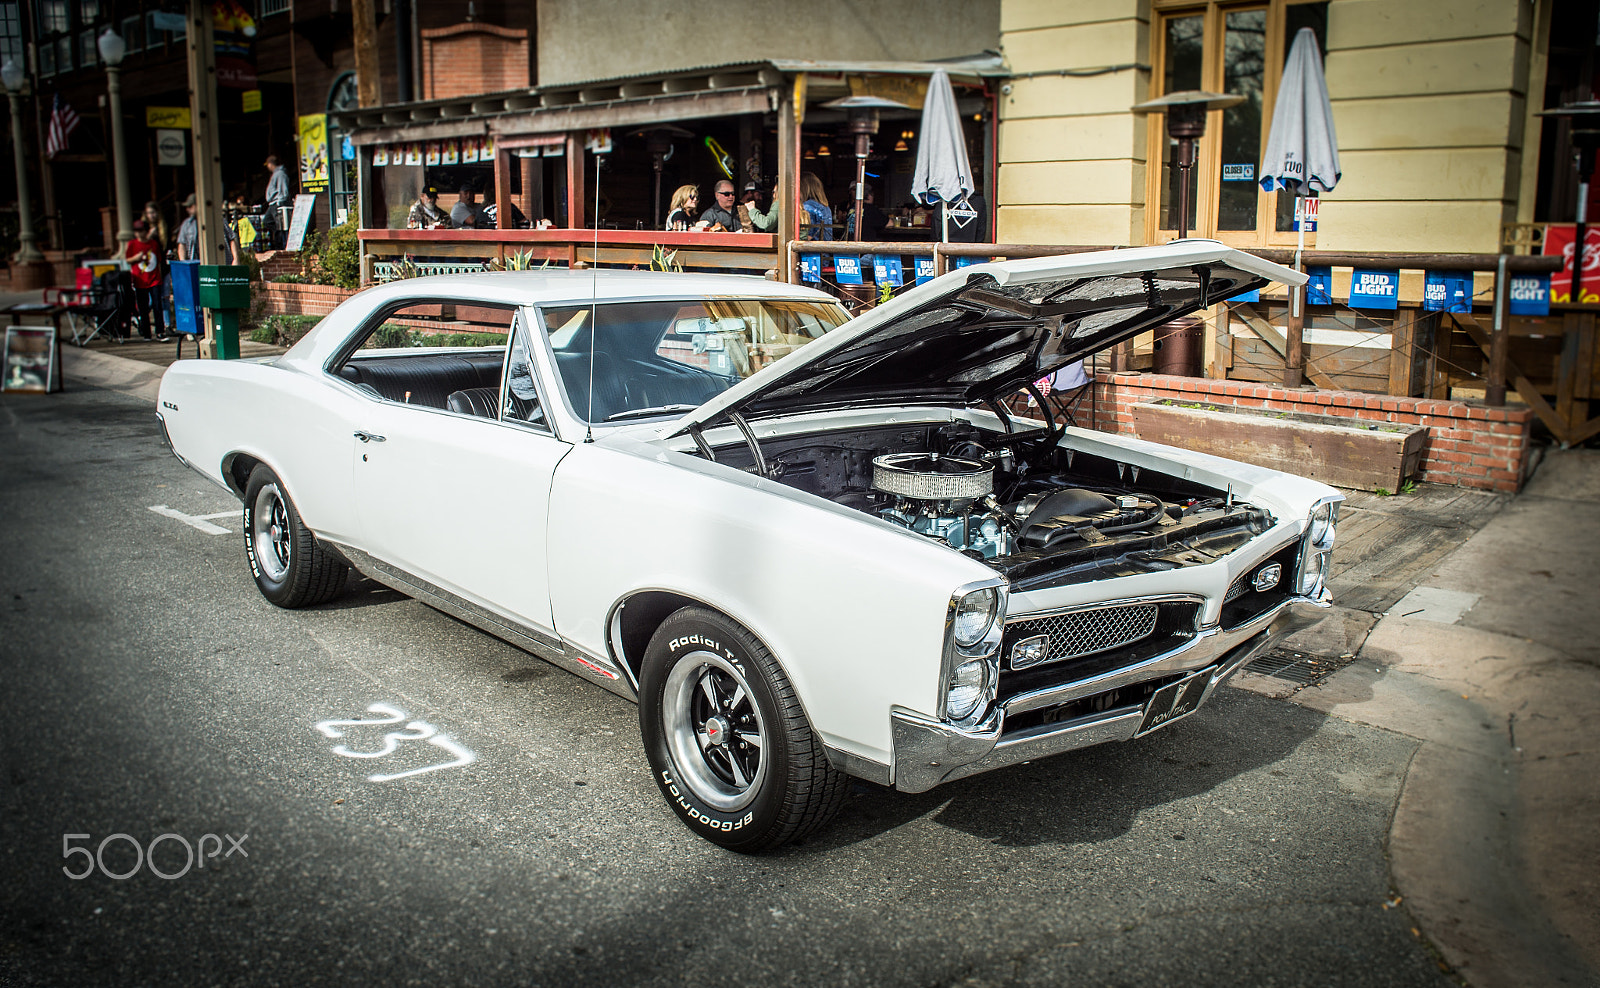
x=502 y=189
x=1494 y=390
x=575 y=181
x=200 y=38
x=532 y=188
x=786 y=197
x=1402 y=337
x=369 y=89
x=1294 y=351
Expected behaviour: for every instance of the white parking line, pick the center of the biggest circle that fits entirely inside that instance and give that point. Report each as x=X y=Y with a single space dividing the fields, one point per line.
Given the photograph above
x=195 y=522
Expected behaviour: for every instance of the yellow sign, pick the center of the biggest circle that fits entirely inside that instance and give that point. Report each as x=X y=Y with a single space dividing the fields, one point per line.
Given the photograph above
x=907 y=89
x=314 y=152
x=164 y=117
x=252 y=100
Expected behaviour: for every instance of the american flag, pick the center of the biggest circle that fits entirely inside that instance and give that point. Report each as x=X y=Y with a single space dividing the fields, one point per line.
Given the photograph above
x=63 y=121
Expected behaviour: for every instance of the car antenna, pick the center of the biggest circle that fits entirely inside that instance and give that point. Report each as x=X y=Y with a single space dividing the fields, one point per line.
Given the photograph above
x=594 y=292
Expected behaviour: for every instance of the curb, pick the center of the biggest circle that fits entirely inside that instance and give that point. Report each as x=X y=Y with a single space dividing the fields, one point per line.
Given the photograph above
x=103 y=370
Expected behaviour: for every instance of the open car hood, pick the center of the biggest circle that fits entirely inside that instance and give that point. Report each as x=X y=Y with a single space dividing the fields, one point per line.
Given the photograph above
x=984 y=331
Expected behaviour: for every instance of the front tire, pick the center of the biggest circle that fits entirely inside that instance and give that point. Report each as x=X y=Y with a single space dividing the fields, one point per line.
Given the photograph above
x=728 y=743
x=291 y=568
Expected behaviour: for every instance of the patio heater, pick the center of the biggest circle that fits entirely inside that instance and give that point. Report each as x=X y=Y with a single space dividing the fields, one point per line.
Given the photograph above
x=863 y=124
x=658 y=142
x=1186 y=123
x=1583 y=120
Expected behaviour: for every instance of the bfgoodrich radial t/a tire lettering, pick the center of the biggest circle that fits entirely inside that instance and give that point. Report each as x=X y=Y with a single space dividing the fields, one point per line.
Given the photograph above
x=290 y=567
x=728 y=744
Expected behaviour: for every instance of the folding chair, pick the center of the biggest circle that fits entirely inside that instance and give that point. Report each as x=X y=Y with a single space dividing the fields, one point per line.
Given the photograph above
x=104 y=309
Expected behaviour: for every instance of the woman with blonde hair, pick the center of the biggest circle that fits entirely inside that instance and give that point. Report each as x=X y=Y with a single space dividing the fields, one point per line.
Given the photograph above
x=680 y=216
x=815 y=203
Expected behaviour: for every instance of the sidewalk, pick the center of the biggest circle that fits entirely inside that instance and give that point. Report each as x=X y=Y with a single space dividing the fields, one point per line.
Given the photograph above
x=1493 y=662
x=1469 y=621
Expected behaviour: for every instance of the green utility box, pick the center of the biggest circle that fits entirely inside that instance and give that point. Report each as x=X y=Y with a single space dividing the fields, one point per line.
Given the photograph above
x=225 y=289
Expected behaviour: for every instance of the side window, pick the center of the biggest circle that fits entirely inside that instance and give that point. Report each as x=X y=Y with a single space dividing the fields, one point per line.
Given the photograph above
x=521 y=402
x=442 y=354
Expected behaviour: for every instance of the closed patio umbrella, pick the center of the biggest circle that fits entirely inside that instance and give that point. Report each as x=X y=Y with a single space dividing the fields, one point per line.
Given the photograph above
x=942 y=171
x=1302 y=155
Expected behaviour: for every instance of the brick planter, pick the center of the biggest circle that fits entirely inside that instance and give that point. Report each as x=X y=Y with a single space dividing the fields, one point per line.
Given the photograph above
x=1340 y=451
x=1468 y=444
x=296 y=299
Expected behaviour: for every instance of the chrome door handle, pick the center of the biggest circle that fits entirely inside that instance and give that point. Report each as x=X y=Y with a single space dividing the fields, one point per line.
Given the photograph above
x=369 y=437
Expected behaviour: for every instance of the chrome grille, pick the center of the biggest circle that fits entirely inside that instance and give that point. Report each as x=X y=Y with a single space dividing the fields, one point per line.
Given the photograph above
x=1237 y=590
x=1088 y=631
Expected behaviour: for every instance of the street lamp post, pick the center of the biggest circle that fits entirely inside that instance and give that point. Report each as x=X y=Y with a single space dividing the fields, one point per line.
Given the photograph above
x=112 y=48
x=11 y=74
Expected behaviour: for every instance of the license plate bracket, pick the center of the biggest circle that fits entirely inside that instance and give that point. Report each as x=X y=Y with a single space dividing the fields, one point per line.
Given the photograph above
x=1174 y=701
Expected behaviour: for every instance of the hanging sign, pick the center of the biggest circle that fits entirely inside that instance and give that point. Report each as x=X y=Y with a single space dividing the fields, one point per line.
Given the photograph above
x=430 y=154
x=967 y=262
x=314 y=152
x=172 y=148
x=1305 y=211
x=550 y=150
x=1529 y=295
x=1374 y=289
x=811 y=267
x=250 y=101
x=599 y=141
x=886 y=270
x=486 y=149
x=1447 y=291
x=413 y=154
x=1319 y=290
x=1253 y=295
x=1239 y=173
x=1558 y=241
x=449 y=153
x=156 y=117
x=847 y=269
x=469 y=151
x=924 y=269
x=380 y=156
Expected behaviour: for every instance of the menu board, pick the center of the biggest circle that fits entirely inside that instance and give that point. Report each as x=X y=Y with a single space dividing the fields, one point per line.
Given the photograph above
x=32 y=360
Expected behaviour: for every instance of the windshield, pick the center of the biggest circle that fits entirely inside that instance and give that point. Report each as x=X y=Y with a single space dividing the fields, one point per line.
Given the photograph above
x=668 y=356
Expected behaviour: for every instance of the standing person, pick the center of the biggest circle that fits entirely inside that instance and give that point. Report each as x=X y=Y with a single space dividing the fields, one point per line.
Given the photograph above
x=276 y=198
x=750 y=213
x=156 y=221
x=818 y=212
x=146 y=264
x=680 y=215
x=466 y=213
x=189 y=238
x=425 y=212
x=720 y=218
x=872 y=227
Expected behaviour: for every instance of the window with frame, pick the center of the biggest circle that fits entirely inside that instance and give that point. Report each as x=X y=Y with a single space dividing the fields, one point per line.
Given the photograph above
x=88 y=49
x=133 y=32
x=1239 y=49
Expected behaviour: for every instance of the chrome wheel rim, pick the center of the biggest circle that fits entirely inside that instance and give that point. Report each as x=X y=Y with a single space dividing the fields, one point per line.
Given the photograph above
x=270 y=530
x=715 y=734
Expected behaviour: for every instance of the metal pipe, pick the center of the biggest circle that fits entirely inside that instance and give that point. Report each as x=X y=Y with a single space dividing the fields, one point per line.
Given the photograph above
x=1494 y=391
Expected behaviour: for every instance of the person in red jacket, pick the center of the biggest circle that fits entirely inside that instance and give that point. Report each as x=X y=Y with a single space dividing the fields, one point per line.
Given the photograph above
x=148 y=267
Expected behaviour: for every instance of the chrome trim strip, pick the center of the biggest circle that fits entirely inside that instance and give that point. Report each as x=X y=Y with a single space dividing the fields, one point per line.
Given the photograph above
x=1167 y=598
x=540 y=642
x=859 y=766
x=1174 y=660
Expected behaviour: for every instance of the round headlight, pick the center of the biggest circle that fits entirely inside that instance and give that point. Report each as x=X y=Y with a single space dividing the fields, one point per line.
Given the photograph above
x=1322 y=524
x=974 y=615
x=967 y=688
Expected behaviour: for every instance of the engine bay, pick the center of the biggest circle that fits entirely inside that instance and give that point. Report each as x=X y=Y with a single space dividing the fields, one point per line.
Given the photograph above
x=1038 y=512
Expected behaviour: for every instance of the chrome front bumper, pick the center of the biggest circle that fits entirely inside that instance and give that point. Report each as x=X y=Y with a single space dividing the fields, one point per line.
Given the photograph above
x=928 y=752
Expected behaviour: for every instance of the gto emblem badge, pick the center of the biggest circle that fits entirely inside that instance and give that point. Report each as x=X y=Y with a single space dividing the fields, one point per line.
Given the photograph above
x=1267 y=577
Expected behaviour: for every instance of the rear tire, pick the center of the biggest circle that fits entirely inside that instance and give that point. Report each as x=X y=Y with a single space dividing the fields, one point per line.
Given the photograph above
x=728 y=743
x=291 y=568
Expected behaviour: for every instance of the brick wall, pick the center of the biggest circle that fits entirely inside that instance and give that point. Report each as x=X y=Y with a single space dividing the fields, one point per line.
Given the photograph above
x=1469 y=444
x=311 y=300
x=472 y=58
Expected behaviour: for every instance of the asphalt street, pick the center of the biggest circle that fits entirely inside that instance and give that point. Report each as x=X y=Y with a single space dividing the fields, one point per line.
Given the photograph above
x=148 y=689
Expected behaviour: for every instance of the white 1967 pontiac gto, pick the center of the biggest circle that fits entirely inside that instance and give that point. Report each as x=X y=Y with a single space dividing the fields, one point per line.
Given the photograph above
x=810 y=547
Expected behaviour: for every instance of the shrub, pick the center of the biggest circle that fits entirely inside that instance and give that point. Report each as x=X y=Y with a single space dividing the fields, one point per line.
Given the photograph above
x=336 y=257
x=285 y=330
x=391 y=335
x=264 y=334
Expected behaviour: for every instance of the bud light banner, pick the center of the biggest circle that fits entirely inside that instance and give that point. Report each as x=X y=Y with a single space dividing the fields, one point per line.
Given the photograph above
x=1374 y=289
x=1529 y=295
x=811 y=267
x=1319 y=290
x=1447 y=291
x=1253 y=295
x=886 y=270
x=924 y=269
x=847 y=269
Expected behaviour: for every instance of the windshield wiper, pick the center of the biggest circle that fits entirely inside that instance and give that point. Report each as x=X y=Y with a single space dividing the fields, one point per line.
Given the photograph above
x=634 y=413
